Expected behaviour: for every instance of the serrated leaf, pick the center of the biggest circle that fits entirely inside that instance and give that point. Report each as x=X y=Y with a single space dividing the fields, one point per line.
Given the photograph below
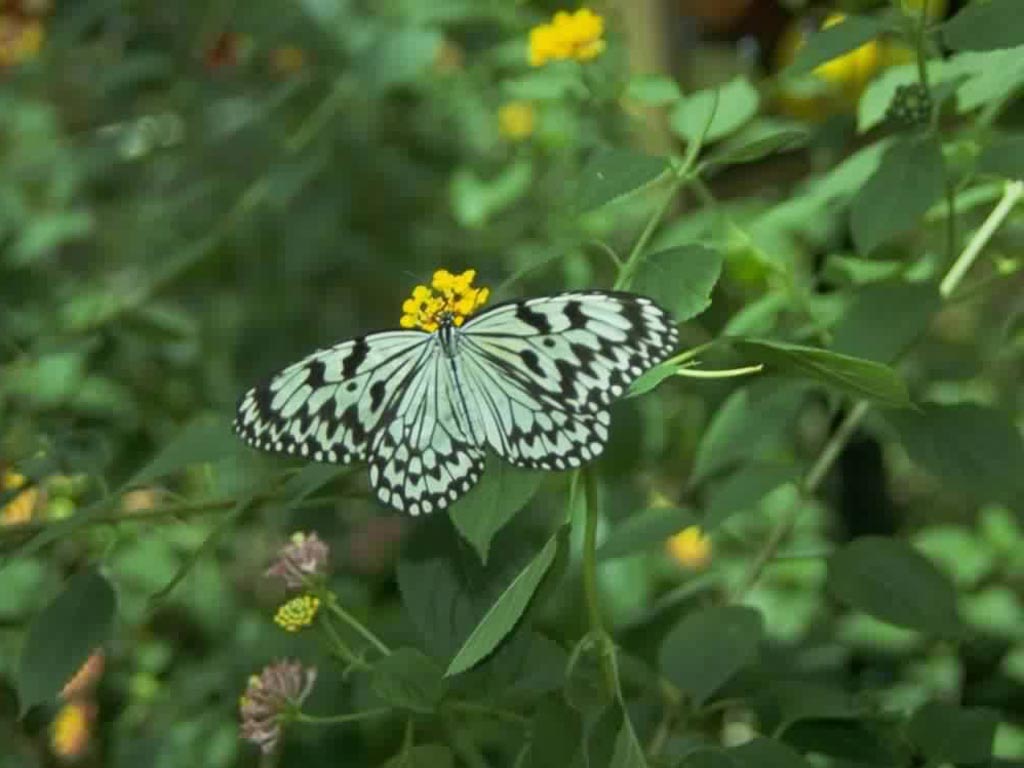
x=491 y=504
x=757 y=140
x=644 y=530
x=556 y=732
x=1004 y=157
x=972 y=449
x=947 y=733
x=910 y=178
x=884 y=319
x=205 y=438
x=749 y=419
x=707 y=647
x=680 y=279
x=652 y=89
x=505 y=612
x=409 y=679
x=792 y=701
x=614 y=173
x=985 y=26
x=852 y=741
x=889 y=580
x=743 y=490
x=857 y=377
x=733 y=104
x=832 y=42
x=650 y=379
x=61 y=638
x=627 y=752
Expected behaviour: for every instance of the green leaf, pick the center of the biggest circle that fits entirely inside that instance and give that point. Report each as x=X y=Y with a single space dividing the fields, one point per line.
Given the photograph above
x=709 y=758
x=627 y=752
x=585 y=687
x=946 y=733
x=490 y=504
x=614 y=173
x=1004 y=157
x=505 y=611
x=765 y=753
x=749 y=419
x=832 y=42
x=704 y=650
x=890 y=580
x=910 y=178
x=759 y=139
x=878 y=95
x=792 y=701
x=655 y=90
x=989 y=76
x=649 y=380
x=853 y=741
x=204 y=439
x=851 y=270
x=737 y=103
x=743 y=490
x=423 y=756
x=680 y=279
x=984 y=26
x=61 y=638
x=556 y=732
x=857 y=377
x=972 y=449
x=884 y=319
x=642 y=531
x=409 y=679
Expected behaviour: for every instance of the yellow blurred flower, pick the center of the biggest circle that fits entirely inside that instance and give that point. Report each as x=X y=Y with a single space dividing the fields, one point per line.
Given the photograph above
x=20 y=508
x=690 y=547
x=846 y=75
x=516 y=120
x=71 y=729
x=449 y=293
x=297 y=613
x=287 y=60
x=576 y=36
x=21 y=38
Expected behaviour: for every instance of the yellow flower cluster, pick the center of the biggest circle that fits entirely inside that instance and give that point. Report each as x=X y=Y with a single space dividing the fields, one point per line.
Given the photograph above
x=447 y=293
x=297 y=613
x=19 y=509
x=21 y=38
x=690 y=547
x=576 y=36
x=516 y=120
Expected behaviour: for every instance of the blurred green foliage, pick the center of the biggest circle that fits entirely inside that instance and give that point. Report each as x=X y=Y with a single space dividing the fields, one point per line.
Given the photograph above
x=193 y=196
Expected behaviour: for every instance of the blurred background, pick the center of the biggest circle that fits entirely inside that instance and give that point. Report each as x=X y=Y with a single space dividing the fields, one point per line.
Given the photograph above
x=195 y=194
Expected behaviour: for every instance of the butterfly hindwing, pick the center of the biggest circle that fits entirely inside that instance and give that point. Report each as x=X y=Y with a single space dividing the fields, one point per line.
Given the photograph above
x=329 y=405
x=425 y=457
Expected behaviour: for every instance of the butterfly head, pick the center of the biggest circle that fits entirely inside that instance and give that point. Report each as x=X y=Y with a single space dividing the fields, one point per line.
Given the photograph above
x=445 y=304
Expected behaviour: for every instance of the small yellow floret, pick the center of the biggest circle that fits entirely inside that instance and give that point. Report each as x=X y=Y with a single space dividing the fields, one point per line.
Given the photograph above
x=297 y=613
x=447 y=293
x=690 y=547
x=516 y=120
x=20 y=508
x=21 y=39
x=69 y=732
x=576 y=36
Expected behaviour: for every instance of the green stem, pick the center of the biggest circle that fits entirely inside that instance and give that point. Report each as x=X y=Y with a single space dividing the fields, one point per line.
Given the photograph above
x=728 y=373
x=464 y=746
x=340 y=646
x=351 y=717
x=471 y=707
x=1011 y=195
x=590 y=587
x=331 y=601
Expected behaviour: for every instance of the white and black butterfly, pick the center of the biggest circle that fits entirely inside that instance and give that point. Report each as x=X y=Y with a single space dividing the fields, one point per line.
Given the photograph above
x=531 y=380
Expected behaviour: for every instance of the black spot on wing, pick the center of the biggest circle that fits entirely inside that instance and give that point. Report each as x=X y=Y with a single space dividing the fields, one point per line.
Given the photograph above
x=531 y=361
x=377 y=390
x=355 y=358
x=574 y=314
x=315 y=374
x=534 y=319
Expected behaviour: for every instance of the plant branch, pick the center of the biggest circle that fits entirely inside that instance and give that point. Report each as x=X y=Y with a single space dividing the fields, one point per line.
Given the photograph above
x=590 y=587
x=350 y=717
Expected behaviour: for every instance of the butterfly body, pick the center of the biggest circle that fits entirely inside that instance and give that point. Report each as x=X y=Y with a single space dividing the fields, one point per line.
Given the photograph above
x=530 y=380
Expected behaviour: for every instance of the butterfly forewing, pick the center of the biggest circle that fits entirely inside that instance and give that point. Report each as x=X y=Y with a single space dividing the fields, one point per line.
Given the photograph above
x=529 y=379
x=330 y=405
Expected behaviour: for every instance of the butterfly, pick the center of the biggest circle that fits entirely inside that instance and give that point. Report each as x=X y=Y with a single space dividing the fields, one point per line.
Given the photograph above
x=530 y=380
